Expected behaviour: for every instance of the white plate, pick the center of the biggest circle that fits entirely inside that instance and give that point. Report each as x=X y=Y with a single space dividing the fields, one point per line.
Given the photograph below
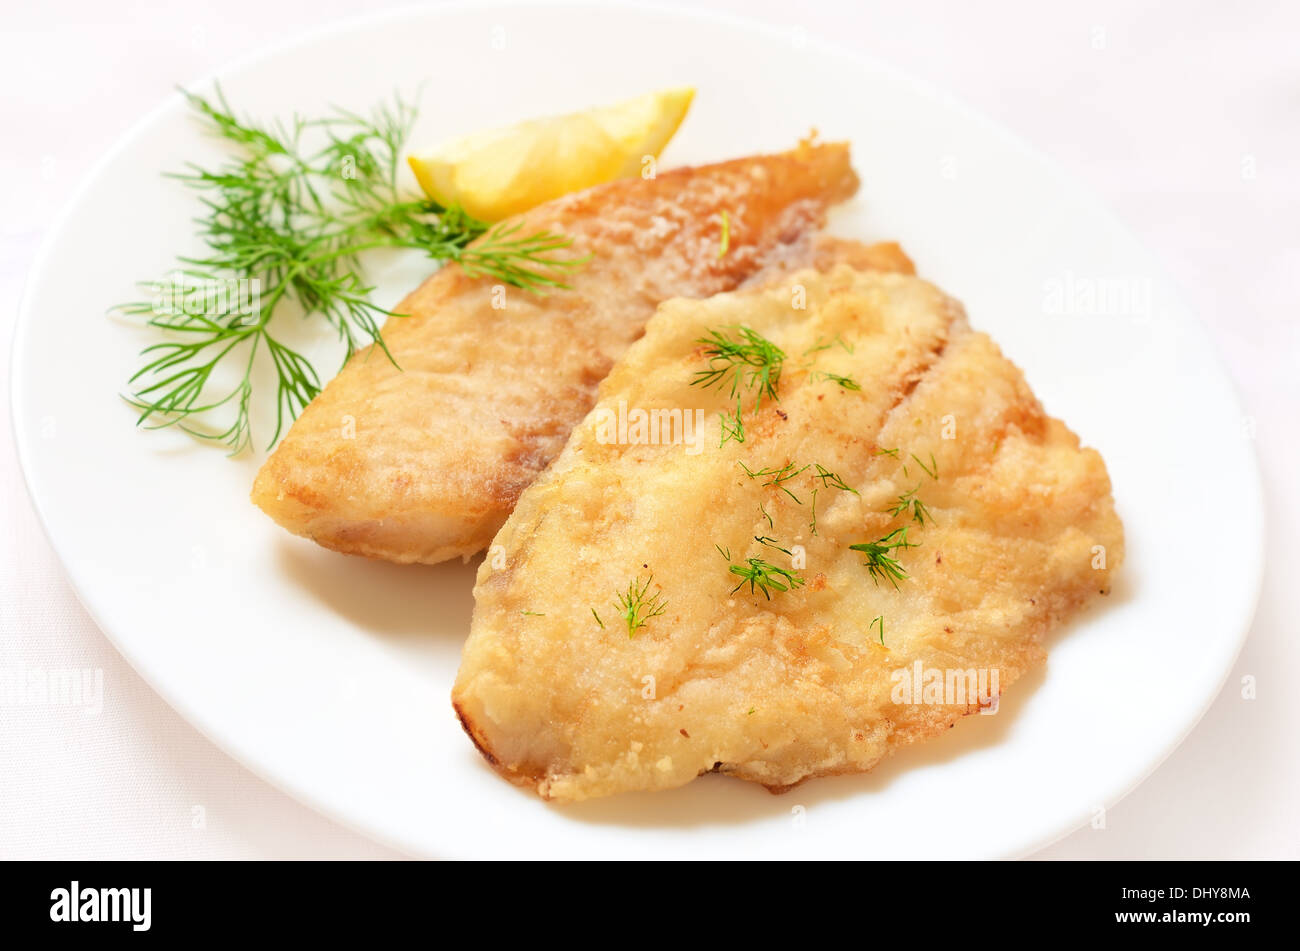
x=329 y=675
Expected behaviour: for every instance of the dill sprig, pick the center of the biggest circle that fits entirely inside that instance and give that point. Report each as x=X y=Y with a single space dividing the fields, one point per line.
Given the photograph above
x=909 y=503
x=749 y=361
x=831 y=480
x=824 y=344
x=286 y=219
x=878 y=621
x=771 y=542
x=880 y=560
x=932 y=470
x=759 y=574
x=637 y=605
x=843 y=381
x=732 y=426
x=776 y=477
x=764 y=576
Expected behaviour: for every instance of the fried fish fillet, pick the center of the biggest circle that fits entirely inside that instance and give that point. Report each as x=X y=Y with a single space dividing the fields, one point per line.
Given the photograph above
x=886 y=398
x=424 y=463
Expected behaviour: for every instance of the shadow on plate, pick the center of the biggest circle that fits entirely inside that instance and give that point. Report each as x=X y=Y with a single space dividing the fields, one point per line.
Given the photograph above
x=381 y=598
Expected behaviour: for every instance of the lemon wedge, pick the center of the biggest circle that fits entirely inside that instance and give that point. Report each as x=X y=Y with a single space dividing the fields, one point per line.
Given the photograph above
x=503 y=172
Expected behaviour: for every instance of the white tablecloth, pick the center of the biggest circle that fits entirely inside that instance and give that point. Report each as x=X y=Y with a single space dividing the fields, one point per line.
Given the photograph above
x=1183 y=115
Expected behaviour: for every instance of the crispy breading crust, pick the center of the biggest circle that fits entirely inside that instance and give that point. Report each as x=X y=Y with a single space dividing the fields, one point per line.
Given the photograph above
x=424 y=463
x=1022 y=532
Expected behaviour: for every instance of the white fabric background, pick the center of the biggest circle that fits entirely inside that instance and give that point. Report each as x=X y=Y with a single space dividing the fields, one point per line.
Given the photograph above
x=1184 y=116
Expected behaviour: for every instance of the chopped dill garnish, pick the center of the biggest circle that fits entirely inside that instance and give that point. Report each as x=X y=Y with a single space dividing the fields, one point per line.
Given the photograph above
x=532 y=613
x=778 y=476
x=813 y=524
x=751 y=711
x=824 y=344
x=880 y=562
x=725 y=242
x=771 y=543
x=765 y=577
x=878 y=620
x=286 y=220
x=831 y=480
x=908 y=502
x=932 y=470
x=732 y=426
x=843 y=381
x=770 y=523
x=748 y=362
x=598 y=620
x=637 y=605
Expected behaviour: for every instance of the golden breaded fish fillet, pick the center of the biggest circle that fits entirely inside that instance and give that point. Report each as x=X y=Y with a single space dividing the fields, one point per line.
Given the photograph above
x=424 y=463
x=662 y=603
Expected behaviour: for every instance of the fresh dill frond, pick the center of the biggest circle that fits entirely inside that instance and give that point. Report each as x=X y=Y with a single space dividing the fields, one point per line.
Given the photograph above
x=765 y=577
x=776 y=477
x=831 y=480
x=745 y=361
x=770 y=523
x=286 y=219
x=598 y=620
x=503 y=255
x=532 y=614
x=880 y=561
x=725 y=241
x=879 y=619
x=886 y=452
x=637 y=605
x=812 y=526
x=909 y=503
